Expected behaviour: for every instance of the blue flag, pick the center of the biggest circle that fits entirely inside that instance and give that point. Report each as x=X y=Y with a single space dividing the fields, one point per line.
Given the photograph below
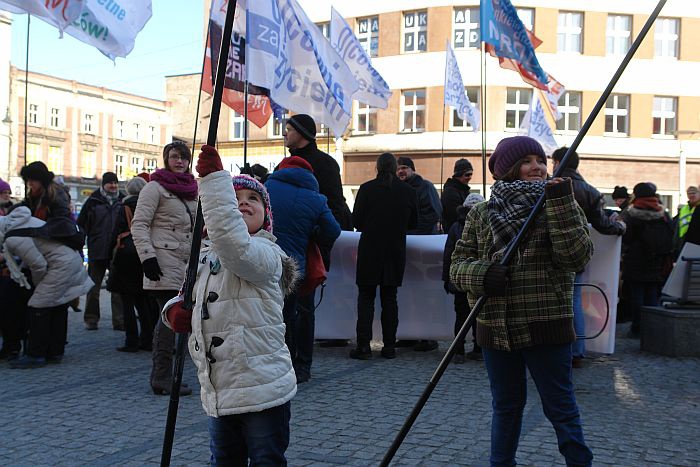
x=502 y=29
x=455 y=94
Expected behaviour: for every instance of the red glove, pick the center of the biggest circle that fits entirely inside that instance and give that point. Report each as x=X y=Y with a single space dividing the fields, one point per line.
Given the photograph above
x=180 y=319
x=208 y=161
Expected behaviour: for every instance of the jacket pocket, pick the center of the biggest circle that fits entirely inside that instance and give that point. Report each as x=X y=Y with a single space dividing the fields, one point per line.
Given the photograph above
x=166 y=244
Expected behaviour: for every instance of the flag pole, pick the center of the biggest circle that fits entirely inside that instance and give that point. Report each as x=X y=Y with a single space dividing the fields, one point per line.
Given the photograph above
x=26 y=93
x=245 y=121
x=482 y=92
x=199 y=93
x=191 y=274
x=515 y=243
x=442 y=148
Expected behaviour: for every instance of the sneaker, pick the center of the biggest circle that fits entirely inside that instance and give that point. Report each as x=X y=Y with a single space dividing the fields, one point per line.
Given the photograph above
x=361 y=353
x=402 y=343
x=91 y=326
x=425 y=346
x=27 y=362
x=303 y=377
x=333 y=343
x=388 y=352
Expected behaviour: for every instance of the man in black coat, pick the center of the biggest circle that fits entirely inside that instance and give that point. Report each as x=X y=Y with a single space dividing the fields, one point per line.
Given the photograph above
x=429 y=207
x=454 y=192
x=97 y=219
x=385 y=209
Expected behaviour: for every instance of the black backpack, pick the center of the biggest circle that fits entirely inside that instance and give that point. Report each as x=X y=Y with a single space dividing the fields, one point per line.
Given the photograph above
x=60 y=229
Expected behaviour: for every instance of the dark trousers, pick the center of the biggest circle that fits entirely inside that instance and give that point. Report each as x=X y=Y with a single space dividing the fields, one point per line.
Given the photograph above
x=96 y=271
x=12 y=313
x=305 y=328
x=261 y=437
x=163 y=343
x=550 y=368
x=146 y=320
x=640 y=294
x=289 y=313
x=365 y=314
x=462 y=311
x=48 y=329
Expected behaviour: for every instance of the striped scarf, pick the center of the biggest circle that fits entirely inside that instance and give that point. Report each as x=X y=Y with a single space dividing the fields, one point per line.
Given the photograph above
x=508 y=208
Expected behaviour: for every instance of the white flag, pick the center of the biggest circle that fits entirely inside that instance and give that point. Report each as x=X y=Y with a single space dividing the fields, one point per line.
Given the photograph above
x=535 y=126
x=290 y=57
x=373 y=89
x=455 y=94
x=59 y=14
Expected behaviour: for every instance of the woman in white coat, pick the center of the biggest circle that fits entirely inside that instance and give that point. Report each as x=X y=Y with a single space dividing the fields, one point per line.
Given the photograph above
x=162 y=232
x=58 y=276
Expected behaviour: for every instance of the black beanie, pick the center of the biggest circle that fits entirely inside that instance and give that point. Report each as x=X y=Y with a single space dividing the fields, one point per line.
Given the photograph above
x=407 y=161
x=462 y=166
x=620 y=192
x=644 y=190
x=305 y=125
x=109 y=177
x=38 y=171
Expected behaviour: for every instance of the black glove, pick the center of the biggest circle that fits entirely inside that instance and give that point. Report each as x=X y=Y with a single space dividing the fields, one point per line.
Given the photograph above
x=151 y=269
x=446 y=286
x=496 y=280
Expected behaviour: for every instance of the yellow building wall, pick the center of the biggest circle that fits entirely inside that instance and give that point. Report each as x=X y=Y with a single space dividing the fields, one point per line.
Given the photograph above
x=434 y=107
x=546 y=29
x=389 y=34
x=641 y=124
x=689 y=114
x=388 y=119
x=646 y=50
x=594 y=25
x=690 y=39
x=589 y=99
x=439 y=27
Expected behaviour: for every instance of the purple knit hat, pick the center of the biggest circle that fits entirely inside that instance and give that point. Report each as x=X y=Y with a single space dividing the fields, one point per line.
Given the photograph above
x=244 y=182
x=5 y=186
x=509 y=151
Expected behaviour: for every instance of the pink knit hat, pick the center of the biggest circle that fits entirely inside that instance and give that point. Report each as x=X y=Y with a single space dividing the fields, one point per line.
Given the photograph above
x=244 y=182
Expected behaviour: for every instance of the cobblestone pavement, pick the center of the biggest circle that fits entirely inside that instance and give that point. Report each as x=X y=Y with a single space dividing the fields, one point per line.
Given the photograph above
x=96 y=409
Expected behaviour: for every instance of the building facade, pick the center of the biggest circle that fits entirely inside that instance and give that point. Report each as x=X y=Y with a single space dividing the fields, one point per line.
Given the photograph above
x=5 y=117
x=647 y=131
x=81 y=131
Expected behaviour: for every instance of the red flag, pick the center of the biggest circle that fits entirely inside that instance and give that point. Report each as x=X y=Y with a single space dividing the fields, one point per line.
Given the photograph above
x=510 y=64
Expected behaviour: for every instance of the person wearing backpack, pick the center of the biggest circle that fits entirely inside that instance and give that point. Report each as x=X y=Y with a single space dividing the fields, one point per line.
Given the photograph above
x=58 y=276
x=647 y=248
x=45 y=198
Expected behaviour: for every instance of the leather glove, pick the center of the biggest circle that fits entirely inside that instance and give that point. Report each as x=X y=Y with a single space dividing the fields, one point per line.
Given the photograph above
x=151 y=269
x=208 y=161
x=180 y=319
x=496 y=280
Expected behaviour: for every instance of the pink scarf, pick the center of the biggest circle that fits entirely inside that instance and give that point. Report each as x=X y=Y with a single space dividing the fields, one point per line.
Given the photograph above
x=182 y=185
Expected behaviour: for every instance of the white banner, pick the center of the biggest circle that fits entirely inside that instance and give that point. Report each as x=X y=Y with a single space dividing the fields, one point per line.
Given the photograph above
x=58 y=13
x=455 y=93
x=373 y=90
x=427 y=312
x=535 y=126
x=290 y=57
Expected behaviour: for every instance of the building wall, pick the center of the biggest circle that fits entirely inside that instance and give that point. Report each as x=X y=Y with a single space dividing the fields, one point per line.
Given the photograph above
x=5 y=127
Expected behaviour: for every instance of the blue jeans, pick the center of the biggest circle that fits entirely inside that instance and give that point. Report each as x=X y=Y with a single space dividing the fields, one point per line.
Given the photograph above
x=578 y=348
x=261 y=437
x=550 y=368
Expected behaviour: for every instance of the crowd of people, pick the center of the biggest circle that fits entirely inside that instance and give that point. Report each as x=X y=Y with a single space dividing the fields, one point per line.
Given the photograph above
x=267 y=235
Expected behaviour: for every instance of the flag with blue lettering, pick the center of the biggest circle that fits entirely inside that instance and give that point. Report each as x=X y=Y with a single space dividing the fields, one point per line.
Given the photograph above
x=290 y=57
x=504 y=32
x=455 y=94
x=373 y=90
x=535 y=126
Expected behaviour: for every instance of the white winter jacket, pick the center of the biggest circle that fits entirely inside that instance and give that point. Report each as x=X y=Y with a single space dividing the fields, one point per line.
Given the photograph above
x=57 y=270
x=251 y=370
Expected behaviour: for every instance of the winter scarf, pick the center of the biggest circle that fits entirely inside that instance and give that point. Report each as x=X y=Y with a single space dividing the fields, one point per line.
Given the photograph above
x=508 y=208
x=649 y=202
x=183 y=185
x=110 y=197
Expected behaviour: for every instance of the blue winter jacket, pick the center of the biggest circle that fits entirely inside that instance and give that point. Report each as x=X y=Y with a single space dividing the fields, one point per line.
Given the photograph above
x=299 y=212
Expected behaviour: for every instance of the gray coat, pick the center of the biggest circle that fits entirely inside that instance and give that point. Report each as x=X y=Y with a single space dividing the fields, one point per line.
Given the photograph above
x=57 y=270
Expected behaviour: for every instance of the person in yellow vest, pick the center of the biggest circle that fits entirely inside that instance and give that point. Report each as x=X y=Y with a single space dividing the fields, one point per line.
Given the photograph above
x=685 y=213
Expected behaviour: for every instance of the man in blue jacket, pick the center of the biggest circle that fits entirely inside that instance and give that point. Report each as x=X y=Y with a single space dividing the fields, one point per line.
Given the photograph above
x=301 y=214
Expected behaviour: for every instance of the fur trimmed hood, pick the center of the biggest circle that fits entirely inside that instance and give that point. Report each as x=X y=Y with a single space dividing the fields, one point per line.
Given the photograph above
x=645 y=214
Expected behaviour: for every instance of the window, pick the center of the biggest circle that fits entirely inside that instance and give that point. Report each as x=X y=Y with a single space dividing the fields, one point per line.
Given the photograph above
x=569 y=29
x=87 y=123
x=415 y=31
x=55 y=121
x=527 y=16
x=89 y=164
x=151 y=165
x=618 y=34
x=55 y=163
x=456 y=123
x=152 y=135
x=664 y=115
x=137 y=135
x=136 y=165
x=413 y=110
x=325 y=29
x=465 y=28
x=617 y=114
x=33 y=115
x=666 y=37
x=33 y=153
x=517 y=103
x=570 y=108
x=365 y=119
x=278 y=126
x=237 y=125
x=119 y=129
x=119 y=166
x=368 y=34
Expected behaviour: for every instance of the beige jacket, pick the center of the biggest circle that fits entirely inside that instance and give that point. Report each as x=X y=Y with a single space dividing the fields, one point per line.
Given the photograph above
x=162 y=228
x=249 y=369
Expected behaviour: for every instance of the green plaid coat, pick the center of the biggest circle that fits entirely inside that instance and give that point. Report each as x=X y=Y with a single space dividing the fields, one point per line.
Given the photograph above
x=537 y=307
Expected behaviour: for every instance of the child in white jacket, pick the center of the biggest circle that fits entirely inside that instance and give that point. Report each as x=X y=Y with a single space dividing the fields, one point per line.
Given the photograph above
x=237 y=342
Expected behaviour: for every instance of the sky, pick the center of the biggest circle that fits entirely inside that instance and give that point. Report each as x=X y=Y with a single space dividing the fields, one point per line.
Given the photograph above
x=171 y=43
